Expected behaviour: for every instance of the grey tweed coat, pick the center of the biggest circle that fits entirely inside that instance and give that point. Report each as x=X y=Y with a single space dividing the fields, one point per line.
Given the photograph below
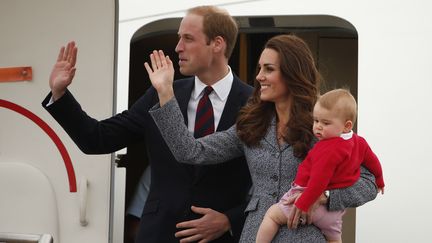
x=272 y=169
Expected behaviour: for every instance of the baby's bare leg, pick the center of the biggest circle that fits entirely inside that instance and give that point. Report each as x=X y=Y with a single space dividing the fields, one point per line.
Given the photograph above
x=273 y=219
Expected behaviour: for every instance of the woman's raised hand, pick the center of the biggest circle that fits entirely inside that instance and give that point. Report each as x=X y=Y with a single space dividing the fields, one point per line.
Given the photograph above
x=161 y=74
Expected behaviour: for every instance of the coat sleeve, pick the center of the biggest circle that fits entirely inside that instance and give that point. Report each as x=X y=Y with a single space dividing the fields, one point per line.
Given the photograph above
x=215 y=148
x=363 y=191
x=373 y=164
x=99 y=137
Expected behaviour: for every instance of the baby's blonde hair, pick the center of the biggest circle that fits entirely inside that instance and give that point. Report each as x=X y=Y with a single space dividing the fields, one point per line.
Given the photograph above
x=342 y=101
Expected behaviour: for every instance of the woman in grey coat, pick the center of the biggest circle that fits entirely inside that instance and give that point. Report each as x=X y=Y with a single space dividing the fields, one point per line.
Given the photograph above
x=273 y=132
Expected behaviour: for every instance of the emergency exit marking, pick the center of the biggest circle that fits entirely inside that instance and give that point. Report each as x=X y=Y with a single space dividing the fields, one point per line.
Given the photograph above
x=15 y=74
x=51 y=133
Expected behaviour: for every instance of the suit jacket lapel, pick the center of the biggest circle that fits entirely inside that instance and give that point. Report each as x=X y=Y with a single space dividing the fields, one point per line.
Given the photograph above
x=183 y=91
x=229 y=114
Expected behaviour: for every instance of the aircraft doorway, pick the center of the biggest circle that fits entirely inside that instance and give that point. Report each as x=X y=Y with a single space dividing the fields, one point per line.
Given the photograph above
x=333 y=41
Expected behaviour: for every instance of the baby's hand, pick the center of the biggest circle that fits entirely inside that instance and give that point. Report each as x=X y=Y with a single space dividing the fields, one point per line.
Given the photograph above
x=381 y=190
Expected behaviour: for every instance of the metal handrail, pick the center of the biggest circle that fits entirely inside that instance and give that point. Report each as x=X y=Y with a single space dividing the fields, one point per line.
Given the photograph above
x=25 y=238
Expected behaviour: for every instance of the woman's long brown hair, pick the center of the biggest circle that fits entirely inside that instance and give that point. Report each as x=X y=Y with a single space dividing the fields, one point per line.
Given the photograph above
x=302 y=79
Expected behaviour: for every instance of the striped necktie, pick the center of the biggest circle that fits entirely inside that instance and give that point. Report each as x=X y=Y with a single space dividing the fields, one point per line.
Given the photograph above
x=204 y=120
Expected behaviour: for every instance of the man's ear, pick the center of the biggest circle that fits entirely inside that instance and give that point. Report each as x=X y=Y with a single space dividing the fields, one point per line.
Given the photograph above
x=348 y=126
x=219 y=44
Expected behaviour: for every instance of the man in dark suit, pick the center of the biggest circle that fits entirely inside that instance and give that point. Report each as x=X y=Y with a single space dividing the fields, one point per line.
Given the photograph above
x=191 y=203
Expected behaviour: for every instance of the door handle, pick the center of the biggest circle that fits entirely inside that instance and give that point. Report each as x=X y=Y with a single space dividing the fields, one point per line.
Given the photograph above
x=83 y=195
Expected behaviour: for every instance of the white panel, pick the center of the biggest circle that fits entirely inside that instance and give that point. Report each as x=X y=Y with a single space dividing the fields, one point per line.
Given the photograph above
x=119 y=203
x=32 y=33
x=28 y=204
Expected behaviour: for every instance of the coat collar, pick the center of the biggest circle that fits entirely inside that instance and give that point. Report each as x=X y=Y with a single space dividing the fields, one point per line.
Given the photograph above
x=271 y=136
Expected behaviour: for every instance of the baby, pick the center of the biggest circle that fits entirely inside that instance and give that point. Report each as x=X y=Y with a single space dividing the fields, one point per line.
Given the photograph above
x=334 y=162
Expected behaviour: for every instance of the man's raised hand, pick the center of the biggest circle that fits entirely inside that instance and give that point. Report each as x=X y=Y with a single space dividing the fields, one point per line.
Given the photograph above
x=63 y=70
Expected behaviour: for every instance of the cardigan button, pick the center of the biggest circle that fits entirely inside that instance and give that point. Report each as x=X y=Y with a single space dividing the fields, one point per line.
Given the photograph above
x=274 y=177
x=274 y=194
